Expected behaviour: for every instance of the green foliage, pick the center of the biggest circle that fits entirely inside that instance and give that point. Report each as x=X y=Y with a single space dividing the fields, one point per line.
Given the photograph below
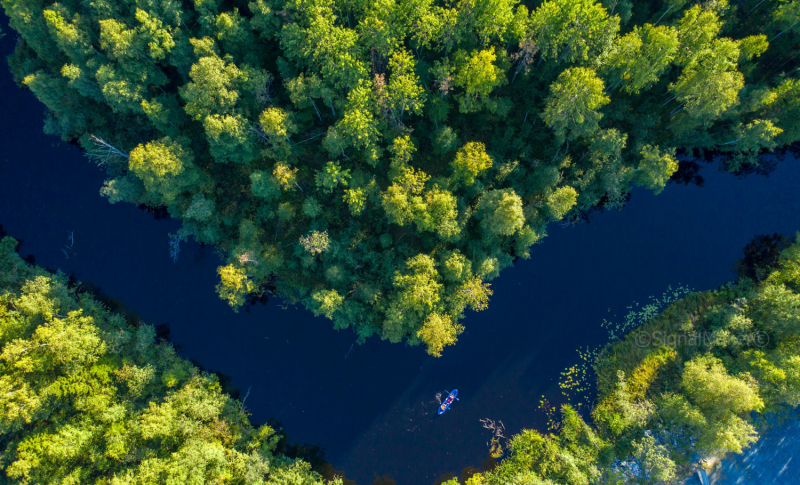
x=201 y=208
x=315 y=242
x=750 y=141
x=478 y=76
x=401 y=129
x=332 y=176
x=569 y=457
x=641 y=56
x=229 y=138
x=437 y=332
x=471 y=159
x=573 y=105
x=326 y=302
x=165 y=167
x=654 y=457
x=723 y=400
x=500 y=213
x=212 y=88
x=264 y=186
x=403 y=91
x=686 y=380
x=572 y=31
x=655 y=168
x=561 y=201
x=234 y=285
x=88 y=398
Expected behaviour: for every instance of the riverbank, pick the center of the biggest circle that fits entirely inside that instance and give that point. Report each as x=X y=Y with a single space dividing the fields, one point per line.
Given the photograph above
x=361 y=406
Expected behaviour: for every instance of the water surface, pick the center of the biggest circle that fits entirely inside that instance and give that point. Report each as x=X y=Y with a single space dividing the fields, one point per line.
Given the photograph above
x=372 y=408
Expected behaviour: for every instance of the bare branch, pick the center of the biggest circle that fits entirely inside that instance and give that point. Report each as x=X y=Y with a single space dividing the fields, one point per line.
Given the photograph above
x=106 y=153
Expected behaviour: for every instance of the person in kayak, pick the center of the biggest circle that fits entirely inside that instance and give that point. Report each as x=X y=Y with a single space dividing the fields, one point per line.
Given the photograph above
x=447 y=402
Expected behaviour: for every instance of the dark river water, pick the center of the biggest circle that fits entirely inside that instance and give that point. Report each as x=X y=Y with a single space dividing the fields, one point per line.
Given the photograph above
x=372 y=408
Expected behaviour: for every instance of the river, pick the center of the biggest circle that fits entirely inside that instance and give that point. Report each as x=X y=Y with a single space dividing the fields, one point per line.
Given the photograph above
x=372 y=407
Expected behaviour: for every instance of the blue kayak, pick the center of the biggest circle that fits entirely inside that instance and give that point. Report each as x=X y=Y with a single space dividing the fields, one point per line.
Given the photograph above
x=447 y=402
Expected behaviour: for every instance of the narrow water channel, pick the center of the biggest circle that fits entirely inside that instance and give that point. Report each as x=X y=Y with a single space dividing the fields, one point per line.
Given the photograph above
x=372 y=407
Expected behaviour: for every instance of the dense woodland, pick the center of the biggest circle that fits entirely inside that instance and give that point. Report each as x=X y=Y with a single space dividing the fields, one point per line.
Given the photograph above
x=381 y=161
x=85 y=397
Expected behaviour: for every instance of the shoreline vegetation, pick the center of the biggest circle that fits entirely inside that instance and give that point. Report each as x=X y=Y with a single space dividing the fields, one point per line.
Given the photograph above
x=381 y=162
x=88 y=396
x=688 y=386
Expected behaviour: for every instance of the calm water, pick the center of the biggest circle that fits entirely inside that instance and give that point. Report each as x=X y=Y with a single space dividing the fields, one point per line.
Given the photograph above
x=374 y=411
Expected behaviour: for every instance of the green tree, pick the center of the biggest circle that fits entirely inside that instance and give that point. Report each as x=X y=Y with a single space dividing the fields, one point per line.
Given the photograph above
x=327 y=303
x=478 y=75
x=404 y=92
x=500 y=213
x=201 y=209
x=475 y=294
x=723 y=399
x=315 y=242
x=358 y=124
x=276 y=124
x=561 y=201
x=750 y=140
x=436 y=212
x=438 y=332
x=655 y=459
x=331 y=49
x=640 y=57
x=264 y=186
x=356 y=199
x=230 y=139
x=417 y=293
x=709 y=83
x=68 y=33
x=572 y=109
x=234 y=285
x=655 y=168
x=165 y=166
x=568 y=30
x=332 y=176
x=470 y=161
x=212 y=90
x=402 y=202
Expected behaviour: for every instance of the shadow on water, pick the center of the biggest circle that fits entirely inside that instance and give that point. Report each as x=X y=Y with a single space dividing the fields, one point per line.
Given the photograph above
x=689 y=167
x=761 y=256
x=370 y=409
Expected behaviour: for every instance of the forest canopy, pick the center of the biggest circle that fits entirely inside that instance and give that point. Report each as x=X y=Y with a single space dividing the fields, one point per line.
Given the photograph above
x=86 y=397
x=381 y=161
